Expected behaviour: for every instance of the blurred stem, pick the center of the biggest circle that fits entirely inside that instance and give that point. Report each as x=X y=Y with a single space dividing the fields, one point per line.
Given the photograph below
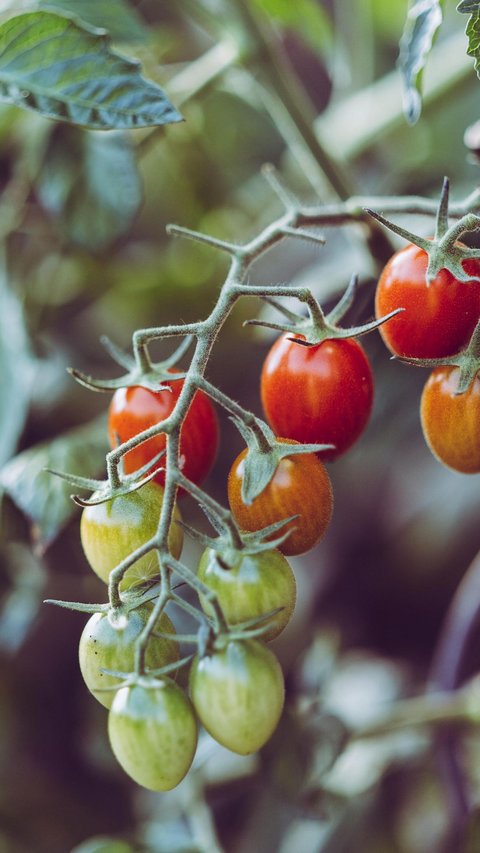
x=420 y=711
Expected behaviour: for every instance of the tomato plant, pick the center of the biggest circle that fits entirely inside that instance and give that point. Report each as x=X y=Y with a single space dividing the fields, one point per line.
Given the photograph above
x=451 y=421
x=135 y=409
x=249 y=585
x=300 y=486
x=107 y=642
x=238 y=694
x=320 y=394
x=153 y=732
x=438 y=319
x=110 y=531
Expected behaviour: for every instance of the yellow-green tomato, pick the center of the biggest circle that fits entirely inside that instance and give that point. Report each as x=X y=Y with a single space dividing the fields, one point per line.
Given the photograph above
x=249 y=585
x=108 y=642
x=110 y=531
x=153 y=732
x=238 y=693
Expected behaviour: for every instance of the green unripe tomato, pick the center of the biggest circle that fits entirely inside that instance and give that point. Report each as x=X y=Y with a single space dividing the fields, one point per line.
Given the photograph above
x=110 y=531
x=153 y=732
x=108 y=642
x=103 y=844
x=249 y=585
x=238 y=694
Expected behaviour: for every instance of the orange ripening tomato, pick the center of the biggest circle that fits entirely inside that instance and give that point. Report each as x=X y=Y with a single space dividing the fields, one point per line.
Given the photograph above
x=134 y=410
x=300 y=486
x=321 y=394
x=450 y=421
x=438 y=319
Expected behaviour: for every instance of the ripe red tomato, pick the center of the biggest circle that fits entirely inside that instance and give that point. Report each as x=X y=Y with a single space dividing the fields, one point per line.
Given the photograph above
x=318 y=395
x=450 y=422
x=438 y=319
x=133 y=410
x=300 y=486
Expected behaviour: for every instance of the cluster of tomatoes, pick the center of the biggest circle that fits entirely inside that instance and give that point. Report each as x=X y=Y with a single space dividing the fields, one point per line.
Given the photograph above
x=314 y=394
x=437 y=324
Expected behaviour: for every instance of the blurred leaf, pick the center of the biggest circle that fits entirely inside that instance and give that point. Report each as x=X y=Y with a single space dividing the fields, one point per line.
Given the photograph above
x=102 y=844
x=89 y=181
x=472 y=7
x=117 y=16
x=70 y=73
x=16 y=370
x=21 y=605
x=306 y=17
x=423 y=20
x=44 y=498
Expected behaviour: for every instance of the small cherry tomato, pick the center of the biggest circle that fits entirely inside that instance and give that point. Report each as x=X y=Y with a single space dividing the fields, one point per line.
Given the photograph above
x=133 y=410
x=238 y=694
x=108 y=642
x=451 y=422
x=153 y=732
x=110 y=531
x=438 y=319
x=249 y=585
x=300 y=486
x=321 y=394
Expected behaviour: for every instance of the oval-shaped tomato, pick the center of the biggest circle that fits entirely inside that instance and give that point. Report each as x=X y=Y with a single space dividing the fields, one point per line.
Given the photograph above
x=438 y=319
x=238 y=694
x=318 y=395
x=153 y=732
x=450 y=422
x=133 y=410
x=108 y=642
x=300 y=486
x=249 y=585
x=110 y=531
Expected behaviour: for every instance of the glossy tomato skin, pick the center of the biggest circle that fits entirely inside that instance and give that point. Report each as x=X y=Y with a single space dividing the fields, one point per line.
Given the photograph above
x=153 y=732
x=109 y=643
x=133 y=410
x=438 y=319
x=450 y=422
x=110 y=531
x=249 y=585
x=318 y=395
x=238 y=694
x=300 y=485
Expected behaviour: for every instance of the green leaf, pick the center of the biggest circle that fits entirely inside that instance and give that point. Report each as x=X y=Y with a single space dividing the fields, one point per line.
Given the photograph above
x=16 y=370
x=90 y=182
x=46 y=499
x=306 y=17
x=116 y=16
x=472 y=7
x=423 y=20
x=70 y=73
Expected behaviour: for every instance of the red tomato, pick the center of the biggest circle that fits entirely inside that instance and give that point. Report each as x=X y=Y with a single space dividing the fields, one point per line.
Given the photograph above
x=133 y=410
x=438 y=319
x=300 y=486
x=450 y=422
x=318 y=395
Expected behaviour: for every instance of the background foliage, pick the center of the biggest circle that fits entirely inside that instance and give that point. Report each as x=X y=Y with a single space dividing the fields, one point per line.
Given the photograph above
x=83 y=212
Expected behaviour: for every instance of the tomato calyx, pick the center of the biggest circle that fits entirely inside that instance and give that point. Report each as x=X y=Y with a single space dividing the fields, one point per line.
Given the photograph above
x=467 y=360
x=444 y=250
x=318 y=327
x=140 y=370
x=261 y=462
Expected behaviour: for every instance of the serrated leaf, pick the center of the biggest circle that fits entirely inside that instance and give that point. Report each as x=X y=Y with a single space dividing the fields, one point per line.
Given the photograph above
x=45 y=499
x=423 y=20
x=116 y=16
x=69 y=72
x=90 y=182
x=472 y=29
x=306 y=17
x=16 y=370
